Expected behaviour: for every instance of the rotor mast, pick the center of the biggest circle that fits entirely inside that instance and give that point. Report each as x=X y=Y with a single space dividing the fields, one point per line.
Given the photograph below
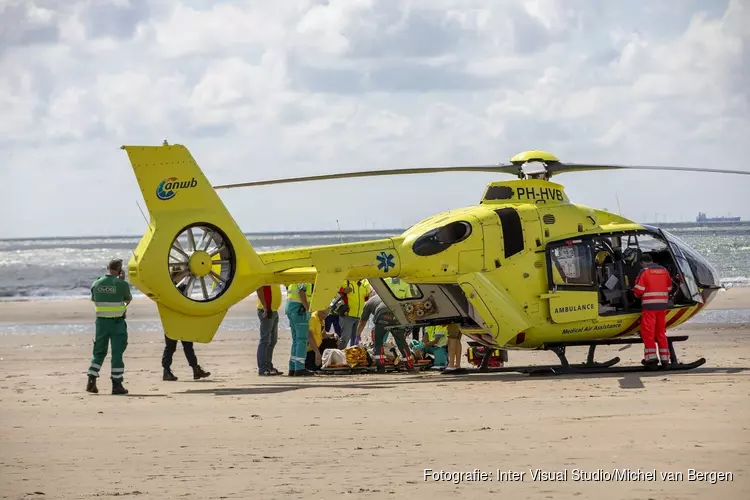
x=534 y=164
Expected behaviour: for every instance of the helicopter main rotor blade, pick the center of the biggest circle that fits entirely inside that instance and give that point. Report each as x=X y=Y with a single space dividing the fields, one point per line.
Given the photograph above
x=561 y=168
x=502 y=169
x=552 y=168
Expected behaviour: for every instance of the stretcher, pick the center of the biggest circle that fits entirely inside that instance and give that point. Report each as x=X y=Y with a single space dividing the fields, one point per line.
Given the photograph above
x=344 y=369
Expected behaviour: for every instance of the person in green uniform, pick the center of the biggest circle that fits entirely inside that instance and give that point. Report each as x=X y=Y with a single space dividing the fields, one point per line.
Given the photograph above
x=384 y=321
x=111 y=296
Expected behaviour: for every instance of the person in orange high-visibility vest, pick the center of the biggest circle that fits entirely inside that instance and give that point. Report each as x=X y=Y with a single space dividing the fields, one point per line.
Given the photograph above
x=653 y=286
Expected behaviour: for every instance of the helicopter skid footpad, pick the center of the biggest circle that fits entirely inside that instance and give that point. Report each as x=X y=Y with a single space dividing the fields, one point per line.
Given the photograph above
x=559 y=370
x=591 y=366
x=525 y=369
x=583 y=369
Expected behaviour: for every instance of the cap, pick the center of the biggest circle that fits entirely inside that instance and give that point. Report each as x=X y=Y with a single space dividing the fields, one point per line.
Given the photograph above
x=115 y=265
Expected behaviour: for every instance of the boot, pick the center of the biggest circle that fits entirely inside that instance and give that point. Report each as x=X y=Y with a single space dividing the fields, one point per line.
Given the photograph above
x=168 y=375
x=651 y=364
x=117 y=387
x=91 y=386
x=199 y=373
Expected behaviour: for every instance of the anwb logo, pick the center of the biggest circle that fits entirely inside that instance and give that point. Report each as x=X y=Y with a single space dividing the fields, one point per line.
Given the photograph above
x=167 y=189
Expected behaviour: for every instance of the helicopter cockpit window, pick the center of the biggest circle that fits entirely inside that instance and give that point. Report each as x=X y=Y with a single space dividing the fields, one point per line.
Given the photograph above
x=705 y=273
x=646 y=243
x=635 y=245
x=572 y=265
x=438 y=239
x=402 y=290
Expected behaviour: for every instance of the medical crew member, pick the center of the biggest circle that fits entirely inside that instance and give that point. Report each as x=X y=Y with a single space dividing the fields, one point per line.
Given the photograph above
x=653 y=286
x=400 y=288
x=269 y=302
x=355 y=295
x=384 y=318
x=403 y=290
x=316 y=334
x=297 y=308
x=435 y=343
x=111 y=296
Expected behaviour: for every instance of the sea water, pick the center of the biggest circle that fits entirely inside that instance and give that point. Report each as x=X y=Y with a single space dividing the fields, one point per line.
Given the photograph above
x=54 y=268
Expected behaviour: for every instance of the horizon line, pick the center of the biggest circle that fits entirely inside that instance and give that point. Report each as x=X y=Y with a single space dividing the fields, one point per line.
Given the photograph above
x=260 y=233
x=394 y=231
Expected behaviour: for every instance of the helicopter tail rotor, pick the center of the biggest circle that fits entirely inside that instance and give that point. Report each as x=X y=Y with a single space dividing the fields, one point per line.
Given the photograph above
x=194 y=261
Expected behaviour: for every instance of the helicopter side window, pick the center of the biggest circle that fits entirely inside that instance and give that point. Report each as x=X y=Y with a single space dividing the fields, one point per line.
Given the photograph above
x=402 y=290
x=510 y=222
x=572 y=265
x=439 y=239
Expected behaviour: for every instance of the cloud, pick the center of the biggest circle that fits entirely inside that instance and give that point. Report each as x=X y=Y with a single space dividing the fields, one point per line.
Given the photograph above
x=270 y=89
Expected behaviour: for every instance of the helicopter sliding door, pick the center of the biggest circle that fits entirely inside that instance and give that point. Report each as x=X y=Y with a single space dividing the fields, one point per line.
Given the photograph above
x=421 y=304
x=573 y=287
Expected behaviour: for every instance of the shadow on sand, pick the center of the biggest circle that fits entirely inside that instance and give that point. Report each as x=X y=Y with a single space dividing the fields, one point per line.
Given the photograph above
x=627 y=381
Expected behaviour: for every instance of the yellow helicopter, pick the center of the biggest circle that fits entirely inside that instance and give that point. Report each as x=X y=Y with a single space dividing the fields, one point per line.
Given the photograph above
x=523 y=269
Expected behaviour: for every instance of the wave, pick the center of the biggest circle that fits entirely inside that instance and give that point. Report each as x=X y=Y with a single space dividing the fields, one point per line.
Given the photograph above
x=737 y=281
x=258 y=240
x=41 y=268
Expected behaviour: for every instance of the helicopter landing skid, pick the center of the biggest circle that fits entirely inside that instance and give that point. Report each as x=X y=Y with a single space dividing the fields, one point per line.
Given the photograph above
x=590 y=366
x=558 y=370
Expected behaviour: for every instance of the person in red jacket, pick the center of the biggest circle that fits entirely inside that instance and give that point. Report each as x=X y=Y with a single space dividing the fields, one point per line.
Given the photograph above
x=653 y=286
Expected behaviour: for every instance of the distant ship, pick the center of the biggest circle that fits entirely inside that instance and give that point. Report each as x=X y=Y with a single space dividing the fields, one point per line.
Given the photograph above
x=702 y=218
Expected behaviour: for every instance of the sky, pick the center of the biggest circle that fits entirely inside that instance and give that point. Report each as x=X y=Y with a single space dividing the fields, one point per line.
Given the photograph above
x=261 y=89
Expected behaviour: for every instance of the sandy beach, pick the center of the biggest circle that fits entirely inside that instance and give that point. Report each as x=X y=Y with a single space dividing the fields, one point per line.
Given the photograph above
x=237 y=435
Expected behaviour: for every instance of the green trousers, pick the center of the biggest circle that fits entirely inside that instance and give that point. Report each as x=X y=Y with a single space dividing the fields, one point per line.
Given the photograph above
x=108 y=330
x=399 y=336
x=299 y=322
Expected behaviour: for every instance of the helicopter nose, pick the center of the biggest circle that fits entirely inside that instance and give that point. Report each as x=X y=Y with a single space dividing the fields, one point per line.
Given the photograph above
x=694 y=265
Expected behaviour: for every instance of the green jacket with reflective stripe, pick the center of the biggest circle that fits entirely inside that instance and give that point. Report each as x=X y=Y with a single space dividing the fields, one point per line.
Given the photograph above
x=109 y=294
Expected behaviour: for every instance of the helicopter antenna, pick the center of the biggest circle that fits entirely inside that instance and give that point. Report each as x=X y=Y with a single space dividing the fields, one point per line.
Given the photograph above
x=619 y=211
x=144 y=215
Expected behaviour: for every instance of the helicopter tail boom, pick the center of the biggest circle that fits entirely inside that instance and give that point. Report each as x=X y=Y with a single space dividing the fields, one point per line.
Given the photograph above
x=329 y=266
x=193 y=261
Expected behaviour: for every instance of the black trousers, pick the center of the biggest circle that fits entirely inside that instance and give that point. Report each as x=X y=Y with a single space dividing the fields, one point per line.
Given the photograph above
x=310 y=363
x=170 y=346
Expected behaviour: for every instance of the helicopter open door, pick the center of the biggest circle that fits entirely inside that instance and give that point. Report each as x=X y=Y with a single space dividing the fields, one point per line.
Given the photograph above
x=571 y=271
x=474 y=304
x=422 y=304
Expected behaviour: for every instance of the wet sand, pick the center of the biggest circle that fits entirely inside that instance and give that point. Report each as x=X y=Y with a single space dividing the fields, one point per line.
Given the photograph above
x=237 y=435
